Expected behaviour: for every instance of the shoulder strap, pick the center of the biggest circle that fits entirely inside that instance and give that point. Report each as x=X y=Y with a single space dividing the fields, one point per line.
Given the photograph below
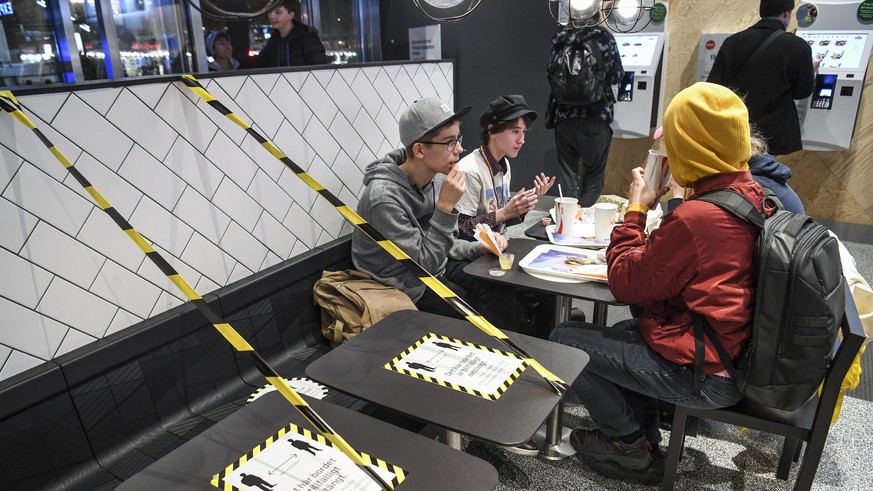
x=735 y=203
x=701 y=329
x=750 y=62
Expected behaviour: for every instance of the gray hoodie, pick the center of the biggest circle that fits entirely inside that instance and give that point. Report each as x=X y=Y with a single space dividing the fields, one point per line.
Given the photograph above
x=408 y=216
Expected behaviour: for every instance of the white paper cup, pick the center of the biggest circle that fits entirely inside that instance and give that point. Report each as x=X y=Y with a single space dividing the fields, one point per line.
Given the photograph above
x=565 y=213
x=604 y=220
x=657 y=168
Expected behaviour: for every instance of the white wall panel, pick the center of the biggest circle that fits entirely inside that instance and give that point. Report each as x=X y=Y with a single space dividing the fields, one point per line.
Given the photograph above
x=213 y=201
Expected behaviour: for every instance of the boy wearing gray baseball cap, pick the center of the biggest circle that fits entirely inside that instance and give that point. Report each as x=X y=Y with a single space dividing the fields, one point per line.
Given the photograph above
x=409 y=197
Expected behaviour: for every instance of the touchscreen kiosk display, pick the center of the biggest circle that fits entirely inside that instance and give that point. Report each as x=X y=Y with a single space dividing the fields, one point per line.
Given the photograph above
x=636 y=50
x=842 y=51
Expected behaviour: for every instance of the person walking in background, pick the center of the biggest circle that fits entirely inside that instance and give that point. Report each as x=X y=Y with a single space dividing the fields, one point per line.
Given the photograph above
x=583 y=136
x=291 y=43
x=770 y=69
x=218 y=46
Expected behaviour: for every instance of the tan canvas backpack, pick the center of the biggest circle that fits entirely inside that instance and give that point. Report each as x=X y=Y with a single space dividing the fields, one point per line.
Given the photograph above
x=351 y=301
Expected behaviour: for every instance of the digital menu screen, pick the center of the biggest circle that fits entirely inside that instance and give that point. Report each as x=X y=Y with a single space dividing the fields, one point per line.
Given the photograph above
x=842 y=51
x=637 y=49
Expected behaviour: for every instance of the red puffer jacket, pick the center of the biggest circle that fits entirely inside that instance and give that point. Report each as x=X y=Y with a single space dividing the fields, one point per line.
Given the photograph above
x=700 y=259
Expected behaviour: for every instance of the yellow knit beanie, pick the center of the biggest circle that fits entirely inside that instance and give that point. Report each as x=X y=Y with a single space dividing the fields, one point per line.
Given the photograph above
x=706 y=131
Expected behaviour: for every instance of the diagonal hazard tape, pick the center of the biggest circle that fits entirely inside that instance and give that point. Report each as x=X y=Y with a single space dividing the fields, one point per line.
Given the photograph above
x=10 y=105
x=428 y=279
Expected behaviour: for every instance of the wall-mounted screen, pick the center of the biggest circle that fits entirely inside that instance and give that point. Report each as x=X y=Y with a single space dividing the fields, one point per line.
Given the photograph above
x=636 y=49
x=841 y=51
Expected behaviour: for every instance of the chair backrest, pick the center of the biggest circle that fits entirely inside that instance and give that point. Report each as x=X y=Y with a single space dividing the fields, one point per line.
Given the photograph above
x=844 y=353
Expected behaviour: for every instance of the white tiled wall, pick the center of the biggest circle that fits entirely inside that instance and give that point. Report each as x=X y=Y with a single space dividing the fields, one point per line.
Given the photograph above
x=214 y=202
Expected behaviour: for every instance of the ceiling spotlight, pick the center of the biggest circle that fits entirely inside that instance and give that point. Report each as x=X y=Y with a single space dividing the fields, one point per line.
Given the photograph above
x=581 y=9
x=627 y=12
x=443 y=5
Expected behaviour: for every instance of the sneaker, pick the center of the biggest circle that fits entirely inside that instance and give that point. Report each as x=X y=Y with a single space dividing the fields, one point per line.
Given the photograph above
x=577 y=315
x=594 y=446
x=528 y=449
x=659 y=460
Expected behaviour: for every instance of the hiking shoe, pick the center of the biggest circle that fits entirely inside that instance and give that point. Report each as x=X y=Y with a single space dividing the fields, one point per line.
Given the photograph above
x=659 y=460
x=594 y=446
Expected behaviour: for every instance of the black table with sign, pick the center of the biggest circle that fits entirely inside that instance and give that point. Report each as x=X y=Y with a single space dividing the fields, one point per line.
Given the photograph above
x=360 y=367
x=428 y=465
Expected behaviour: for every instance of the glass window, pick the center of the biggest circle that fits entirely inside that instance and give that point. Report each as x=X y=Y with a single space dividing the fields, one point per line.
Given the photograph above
x=28 y=45
x=88 y=41
x=339 y=31
x=152 y=37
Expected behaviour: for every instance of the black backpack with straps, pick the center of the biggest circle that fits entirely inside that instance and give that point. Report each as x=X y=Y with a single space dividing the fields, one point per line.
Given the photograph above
x=576 y=73
x=799 y=302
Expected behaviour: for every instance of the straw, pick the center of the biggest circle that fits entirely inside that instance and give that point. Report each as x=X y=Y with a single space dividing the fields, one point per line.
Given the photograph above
x=560 y=193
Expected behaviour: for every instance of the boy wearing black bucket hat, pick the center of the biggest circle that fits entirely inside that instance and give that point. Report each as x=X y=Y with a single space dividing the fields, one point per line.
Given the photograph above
x=770 y=69
x=487 y=171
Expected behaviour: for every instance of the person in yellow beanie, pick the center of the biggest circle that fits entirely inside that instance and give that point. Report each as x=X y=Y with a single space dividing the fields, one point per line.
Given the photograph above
x=700 y=260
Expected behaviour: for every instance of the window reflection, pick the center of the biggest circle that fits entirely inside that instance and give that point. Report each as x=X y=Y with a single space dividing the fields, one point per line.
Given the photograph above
x=88 y=42
x=28 y=48
x=339 y=31
x=149 y=34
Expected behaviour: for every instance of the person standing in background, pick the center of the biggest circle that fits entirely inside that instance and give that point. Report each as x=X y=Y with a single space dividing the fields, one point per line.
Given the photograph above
x=218 y=46
x=291 y=43
x=771 y=78
x=582 y=133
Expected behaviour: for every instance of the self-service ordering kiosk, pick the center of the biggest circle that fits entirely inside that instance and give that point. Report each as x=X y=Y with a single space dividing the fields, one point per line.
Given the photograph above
x=640 y=95
x=839 y=33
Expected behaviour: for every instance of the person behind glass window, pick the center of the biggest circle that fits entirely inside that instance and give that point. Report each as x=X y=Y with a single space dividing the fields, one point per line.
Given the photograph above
x=218 y=46
x=291 y=43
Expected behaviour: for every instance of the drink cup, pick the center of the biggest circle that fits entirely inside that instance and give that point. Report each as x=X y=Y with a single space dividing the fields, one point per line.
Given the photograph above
x=506 y=260
x=657 y=169
x=604 y=220
x=565 y=214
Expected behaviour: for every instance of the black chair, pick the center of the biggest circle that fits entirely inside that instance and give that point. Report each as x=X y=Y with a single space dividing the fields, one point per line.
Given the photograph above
x=810 y=423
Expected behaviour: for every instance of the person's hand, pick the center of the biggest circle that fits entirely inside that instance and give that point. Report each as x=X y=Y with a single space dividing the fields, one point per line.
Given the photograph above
x=542 y=184
x=499 y=240
x=452 y=190
x=815 y=64
x=522 y=202
x=639 y=192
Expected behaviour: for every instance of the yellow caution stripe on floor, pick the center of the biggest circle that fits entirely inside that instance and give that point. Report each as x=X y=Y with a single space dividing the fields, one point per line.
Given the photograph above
x=428 y=279
x=10 y=105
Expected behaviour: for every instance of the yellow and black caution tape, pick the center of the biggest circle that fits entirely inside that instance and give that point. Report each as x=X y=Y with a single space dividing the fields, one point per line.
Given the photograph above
x=428 y=279
x=10 y=105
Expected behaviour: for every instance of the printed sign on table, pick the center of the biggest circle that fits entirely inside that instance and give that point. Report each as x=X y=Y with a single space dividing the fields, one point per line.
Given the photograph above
x=296 y=459
x=466 y=367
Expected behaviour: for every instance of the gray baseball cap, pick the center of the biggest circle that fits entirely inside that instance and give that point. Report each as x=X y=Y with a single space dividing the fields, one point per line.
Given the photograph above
x=424 y=116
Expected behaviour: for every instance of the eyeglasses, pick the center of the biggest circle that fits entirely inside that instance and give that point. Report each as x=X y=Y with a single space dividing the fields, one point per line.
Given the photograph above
x=450 y=145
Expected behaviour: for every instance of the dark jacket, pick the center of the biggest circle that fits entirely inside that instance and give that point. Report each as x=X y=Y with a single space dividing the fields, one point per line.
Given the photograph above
x=699 y=259
x=602 y=110
x=774 y=176
x=781 y=74
x=302 y=46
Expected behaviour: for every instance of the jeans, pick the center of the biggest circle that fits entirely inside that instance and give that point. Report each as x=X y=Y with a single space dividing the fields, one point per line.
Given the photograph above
x=621 y=361
x=583 y=148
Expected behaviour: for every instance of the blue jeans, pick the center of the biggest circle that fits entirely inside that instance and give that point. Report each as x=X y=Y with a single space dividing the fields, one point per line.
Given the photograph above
x=621 y=361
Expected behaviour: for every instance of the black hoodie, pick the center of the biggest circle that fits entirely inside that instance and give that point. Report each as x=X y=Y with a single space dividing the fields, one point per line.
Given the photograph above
x=302 y=46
